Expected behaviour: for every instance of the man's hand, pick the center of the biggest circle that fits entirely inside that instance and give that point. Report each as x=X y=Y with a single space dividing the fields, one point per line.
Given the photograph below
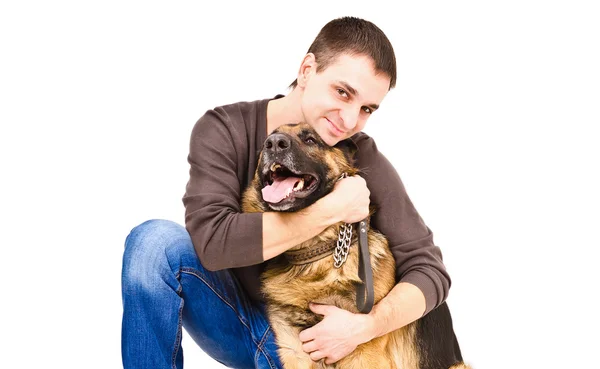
x=337 y=335
x=349 y=201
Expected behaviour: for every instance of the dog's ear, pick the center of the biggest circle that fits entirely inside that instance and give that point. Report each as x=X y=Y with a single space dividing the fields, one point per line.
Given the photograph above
x=349 y=148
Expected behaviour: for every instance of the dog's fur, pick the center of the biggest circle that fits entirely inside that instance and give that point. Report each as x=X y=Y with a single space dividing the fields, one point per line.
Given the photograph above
x=427 y=343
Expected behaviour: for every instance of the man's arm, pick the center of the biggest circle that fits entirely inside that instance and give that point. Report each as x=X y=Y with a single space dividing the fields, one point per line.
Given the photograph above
x=418 y=260
x=404 y=304
x=281 y=231
x=340 y=331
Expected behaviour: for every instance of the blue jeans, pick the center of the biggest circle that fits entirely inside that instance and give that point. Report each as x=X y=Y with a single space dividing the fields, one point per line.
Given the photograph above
x=164 y=288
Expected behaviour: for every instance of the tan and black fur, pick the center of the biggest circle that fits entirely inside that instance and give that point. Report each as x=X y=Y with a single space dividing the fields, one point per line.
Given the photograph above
x=427 y=343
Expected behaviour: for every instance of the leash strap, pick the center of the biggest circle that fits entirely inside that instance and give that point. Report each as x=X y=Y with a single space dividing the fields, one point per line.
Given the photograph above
x=364 y=291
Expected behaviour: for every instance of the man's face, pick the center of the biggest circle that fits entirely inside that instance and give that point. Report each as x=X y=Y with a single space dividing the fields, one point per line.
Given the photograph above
x=337 y=101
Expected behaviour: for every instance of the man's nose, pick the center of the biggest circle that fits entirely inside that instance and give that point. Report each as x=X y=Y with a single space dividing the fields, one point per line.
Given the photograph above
x=277 y=142
x=349 y=119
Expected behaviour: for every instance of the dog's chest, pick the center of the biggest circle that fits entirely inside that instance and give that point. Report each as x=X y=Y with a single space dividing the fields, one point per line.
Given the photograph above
x=289 y=296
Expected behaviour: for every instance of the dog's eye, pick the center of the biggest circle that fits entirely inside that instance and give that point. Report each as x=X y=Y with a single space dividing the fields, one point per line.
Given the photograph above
x=310 y=140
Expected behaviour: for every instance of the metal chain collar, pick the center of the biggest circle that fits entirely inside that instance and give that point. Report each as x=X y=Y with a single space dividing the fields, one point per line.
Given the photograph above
x=343 y=243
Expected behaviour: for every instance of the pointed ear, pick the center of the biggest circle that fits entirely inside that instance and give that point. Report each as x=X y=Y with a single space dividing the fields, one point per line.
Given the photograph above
x=349 y=148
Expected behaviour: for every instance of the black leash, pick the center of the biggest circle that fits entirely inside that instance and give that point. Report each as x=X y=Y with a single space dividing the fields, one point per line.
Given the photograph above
x=364 y=291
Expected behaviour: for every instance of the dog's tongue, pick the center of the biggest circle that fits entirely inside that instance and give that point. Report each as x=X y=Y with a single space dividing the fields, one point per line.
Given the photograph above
x=280 y=187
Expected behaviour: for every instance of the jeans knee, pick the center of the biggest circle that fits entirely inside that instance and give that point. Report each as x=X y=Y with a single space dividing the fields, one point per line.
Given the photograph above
x=144 y=257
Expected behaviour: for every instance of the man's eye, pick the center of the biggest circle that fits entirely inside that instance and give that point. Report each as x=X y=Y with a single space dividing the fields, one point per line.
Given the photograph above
x=367 y=110
x=342 y=92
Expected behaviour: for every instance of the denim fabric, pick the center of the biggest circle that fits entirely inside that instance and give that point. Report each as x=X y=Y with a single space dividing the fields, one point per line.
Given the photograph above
x=165 y=288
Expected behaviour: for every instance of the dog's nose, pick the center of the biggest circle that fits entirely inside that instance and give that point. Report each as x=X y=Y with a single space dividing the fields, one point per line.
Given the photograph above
x=277 y=142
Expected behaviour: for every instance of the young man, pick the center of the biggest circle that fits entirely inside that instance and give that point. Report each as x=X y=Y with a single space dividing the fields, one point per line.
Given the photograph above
x=205 y=277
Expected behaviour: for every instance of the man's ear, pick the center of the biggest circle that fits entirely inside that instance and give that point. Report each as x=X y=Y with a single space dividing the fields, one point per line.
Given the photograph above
x=349 y=148
x=308 y=65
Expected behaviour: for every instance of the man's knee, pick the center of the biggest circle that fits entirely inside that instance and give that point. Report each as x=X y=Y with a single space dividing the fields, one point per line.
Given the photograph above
x=145 y=247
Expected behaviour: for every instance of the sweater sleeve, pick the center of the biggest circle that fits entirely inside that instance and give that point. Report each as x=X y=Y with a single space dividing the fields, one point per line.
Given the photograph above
x=222 y=235
x=418 y=259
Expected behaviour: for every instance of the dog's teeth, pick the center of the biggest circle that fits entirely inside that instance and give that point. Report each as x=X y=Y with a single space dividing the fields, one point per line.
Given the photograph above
x=274 y=166
x=300 y=185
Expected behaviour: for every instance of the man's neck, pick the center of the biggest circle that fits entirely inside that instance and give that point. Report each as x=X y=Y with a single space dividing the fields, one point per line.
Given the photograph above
x=284 y=110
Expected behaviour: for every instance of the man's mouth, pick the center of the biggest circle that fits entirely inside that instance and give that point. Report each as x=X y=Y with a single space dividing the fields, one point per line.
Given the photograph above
x=334 y=129
x=281 y=184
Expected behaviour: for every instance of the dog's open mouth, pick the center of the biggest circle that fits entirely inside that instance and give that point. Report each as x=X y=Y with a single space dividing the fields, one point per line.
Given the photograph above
x=282 y=184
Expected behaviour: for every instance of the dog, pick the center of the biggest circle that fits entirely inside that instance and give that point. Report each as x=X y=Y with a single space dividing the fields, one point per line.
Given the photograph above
x=295 y=169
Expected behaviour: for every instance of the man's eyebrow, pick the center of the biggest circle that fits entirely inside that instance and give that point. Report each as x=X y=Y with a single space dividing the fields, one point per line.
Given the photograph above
x=348 y=87
x=353 y=91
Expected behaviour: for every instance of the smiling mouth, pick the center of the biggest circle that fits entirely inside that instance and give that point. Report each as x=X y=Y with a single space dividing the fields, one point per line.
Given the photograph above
x=335 y=129
x=283 y=184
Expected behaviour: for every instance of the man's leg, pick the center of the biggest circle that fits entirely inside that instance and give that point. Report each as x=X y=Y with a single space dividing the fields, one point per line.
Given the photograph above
x=164 y=287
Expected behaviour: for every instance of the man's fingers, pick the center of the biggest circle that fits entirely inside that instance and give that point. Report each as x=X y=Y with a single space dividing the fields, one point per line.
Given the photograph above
x=307 y=335
x=309 y=347
x=316 y=355
x=319 y=309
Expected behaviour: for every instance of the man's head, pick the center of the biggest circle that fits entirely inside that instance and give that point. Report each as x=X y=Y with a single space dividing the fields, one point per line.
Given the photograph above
x=348 y=70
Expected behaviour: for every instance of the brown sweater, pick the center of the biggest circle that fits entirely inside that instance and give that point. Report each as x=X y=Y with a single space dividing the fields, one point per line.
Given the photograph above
x=224 y=150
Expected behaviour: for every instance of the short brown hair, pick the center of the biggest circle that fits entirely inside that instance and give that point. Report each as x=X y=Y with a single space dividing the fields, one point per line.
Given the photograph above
x=354 y=36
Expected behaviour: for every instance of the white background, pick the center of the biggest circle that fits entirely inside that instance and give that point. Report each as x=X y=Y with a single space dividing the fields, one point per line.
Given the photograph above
x=492 y=128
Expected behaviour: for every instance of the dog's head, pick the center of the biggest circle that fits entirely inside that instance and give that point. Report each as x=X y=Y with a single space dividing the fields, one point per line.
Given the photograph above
x=296 y=168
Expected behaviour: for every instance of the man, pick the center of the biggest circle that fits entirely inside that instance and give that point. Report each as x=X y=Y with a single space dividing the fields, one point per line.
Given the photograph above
x=206 y=277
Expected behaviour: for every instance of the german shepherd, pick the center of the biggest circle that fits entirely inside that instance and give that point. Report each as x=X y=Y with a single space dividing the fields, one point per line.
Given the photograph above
x=295 y=169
